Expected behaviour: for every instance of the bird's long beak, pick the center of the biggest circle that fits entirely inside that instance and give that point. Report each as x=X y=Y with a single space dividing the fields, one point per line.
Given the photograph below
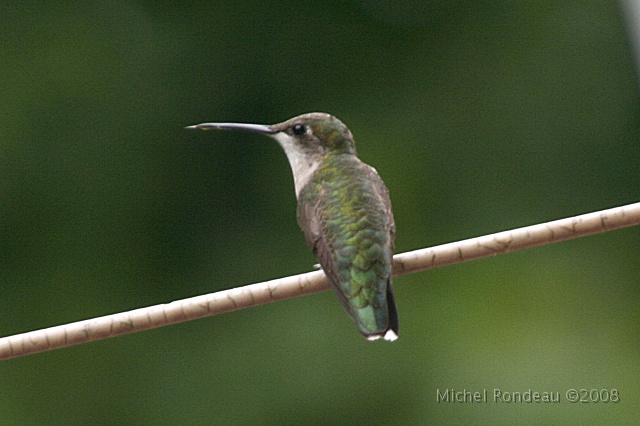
x=256 y=128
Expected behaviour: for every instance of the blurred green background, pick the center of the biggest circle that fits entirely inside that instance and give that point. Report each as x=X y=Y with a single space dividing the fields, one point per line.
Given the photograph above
x=480 y=117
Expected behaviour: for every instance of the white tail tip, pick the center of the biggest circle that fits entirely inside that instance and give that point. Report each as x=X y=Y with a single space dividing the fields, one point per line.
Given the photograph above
x=389 y=336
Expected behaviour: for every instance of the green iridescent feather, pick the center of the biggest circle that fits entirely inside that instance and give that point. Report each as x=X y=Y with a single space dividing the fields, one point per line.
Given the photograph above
x=346 y=215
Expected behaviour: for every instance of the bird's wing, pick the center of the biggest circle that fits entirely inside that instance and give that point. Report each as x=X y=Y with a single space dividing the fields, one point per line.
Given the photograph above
x=313 y=224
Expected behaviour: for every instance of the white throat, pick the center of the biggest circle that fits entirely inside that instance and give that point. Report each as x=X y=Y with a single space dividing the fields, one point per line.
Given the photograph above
x=302 y=165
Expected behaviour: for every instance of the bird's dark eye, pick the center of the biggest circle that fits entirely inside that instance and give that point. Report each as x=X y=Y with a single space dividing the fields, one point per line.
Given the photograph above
x=299 y=129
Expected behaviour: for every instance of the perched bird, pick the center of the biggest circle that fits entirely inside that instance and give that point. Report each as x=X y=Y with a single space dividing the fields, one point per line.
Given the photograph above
x=344 y=212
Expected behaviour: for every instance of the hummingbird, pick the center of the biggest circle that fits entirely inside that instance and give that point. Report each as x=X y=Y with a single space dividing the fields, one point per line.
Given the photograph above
x=345 y=213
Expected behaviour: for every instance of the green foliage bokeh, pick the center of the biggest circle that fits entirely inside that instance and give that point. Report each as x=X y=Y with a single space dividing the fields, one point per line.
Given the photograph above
x=479 y=117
